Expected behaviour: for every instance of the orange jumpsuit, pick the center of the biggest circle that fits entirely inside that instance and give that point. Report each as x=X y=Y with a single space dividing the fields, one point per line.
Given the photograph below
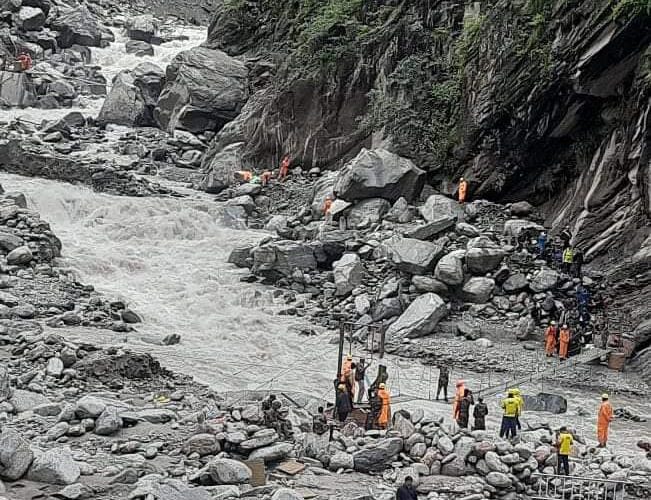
x=550 y=340
x=347 y=376
x=383 y=418
x=564 y=342
x=463 y=191
x=266 y=177
x=603 y=422
x=284 y=168
x=458 y=396
x=326 y=206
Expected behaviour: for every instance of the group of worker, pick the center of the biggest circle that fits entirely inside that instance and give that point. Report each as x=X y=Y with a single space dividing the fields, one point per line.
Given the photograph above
x=463 y=400
x=561 y=254
x=557 y=341
x=266 y=176
x=513 y=408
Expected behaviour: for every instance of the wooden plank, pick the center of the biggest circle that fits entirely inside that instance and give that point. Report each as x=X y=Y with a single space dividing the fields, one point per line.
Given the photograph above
x=259 y=476
x=291 y=467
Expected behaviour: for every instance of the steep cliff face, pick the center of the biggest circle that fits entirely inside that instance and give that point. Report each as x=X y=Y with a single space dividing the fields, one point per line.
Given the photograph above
x=542 y=100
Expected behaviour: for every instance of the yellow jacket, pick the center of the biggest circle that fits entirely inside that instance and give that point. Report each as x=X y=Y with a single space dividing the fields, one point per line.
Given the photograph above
x=510 y=407
x=565 y=441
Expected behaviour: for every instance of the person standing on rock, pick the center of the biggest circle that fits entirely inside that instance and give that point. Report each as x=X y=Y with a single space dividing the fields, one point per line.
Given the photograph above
x=385 y=411
x=479 y=414
x=518 y=396
x=347 y=375
x=550 y=339
x=407 y=490
x=578 y=263
x=463 y=190
x=564 y=342
x=604 y=417
x=327 y=206
x=458 y=396
x=542 y=242
x=444 y=380
x=464 y=409
x=284 y=167
x=568 y=259
x=564 y=445
x=510 y=408
x=360 y=374
x=343 y=403
x=566 y=237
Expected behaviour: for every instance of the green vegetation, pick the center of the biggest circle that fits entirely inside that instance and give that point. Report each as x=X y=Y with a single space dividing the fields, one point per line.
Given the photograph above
x=625 y=8
x=469 y=40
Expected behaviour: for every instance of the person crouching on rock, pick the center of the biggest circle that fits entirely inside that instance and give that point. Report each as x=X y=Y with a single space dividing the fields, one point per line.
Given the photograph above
x=343 y=403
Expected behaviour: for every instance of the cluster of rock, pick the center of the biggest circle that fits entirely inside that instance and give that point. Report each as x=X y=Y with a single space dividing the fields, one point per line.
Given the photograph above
x=388 y=257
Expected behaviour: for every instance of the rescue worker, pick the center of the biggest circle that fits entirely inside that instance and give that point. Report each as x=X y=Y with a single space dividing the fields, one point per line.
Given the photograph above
x=518 y=396
x=343 y=403
x=284 y=167
x=563 y=342
x=385 y=412
x=347 y=375
x=464 y=409
x=25 y=61
x=320 y=422
x=463 y=190
x=604 y=418
x=245 y=175
x=564 y=446
x=550 y=339
x=360 y=374
x=566 y=237
x=266 y=176
x=458 y=396
x=479 y=414
x=327 y=205
x=542 y=241
x=444 y=380
x=510 y=408
x=578 y=263
x=407 y=490
x=582 y=297
x=568 y=258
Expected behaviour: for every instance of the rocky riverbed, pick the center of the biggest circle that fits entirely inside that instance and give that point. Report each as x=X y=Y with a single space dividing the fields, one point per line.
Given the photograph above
x=150 y=300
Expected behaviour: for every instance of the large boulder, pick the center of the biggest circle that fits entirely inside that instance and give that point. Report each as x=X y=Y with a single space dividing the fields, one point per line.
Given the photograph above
x=17 y=89
x=483 y=255
x=513 y=227
x=90 y=407
x=515 y=283
x=220 y=172
x=142 y=28
x=378 y=456
x=419 y=319
x=155 y=488
x=30 y=18
x=478 y=290
x=55 y=466
x=544 y=401
x=205 y=90
x=133 y=97
x=109 y=422
x=226 y=471
x=323 y=187
x=5 y=384
x=139 y=48
x=545 y=279
x=281 y=258
x=272 y=453
x=367 y=212
x=77 y=26
x=449 y=269
x=411 y=255
x=438 y=206
x=377 y=173
x=429 y=230
x=202 y=444
x=20 y=256
x=15 y=455
x=286 y=494
x=348 y=273
x=23 y=400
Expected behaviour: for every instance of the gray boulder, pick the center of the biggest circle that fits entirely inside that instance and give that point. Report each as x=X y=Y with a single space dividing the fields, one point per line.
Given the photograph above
x=77 y=26
x=377 y=173
x=9 y=241
x=544 y=401
x=402 y=425
x=273 y=453
x=15 y=455
x=139 y=48
x=478 y=290
x=155 y=488
x=19 y=256
x=455 y=466
x=411 y=255
x=367 y=212
x=400 y=212
x=281 y=258
x=483 y=255
x=205 y=90
x=348 y=272
x=515 y=283
x=286 y=494
x=498 y=479
x=55 y=466
x=449 y=269
x=226 y=471
x=437 y=206
x=142 y=28
x=379 y=456
x=90 y=407
x=5 y=385
x=341 y=460
x=419 y=319
x=543 y=280
x=109 y=422
x=521 y=209
x=133 y=97
x=430 y=229
x=513 y=228
x=239 y=256
x=202 y=444
x=17 y=89
x=427 y=284
x=260 y=439
x=220 y=172
x=30 y=18
x=323 y=187
x=26 y=400
x=54 y=367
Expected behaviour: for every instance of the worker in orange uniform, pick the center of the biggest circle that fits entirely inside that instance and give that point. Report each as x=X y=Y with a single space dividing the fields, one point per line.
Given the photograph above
x=284 y=167
x=266 y=177
x=563 y=342
x=603 y=420
x=458 y=396
x=550 y=339
x=385 y=410
x=463 y=190
x=25 y=61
